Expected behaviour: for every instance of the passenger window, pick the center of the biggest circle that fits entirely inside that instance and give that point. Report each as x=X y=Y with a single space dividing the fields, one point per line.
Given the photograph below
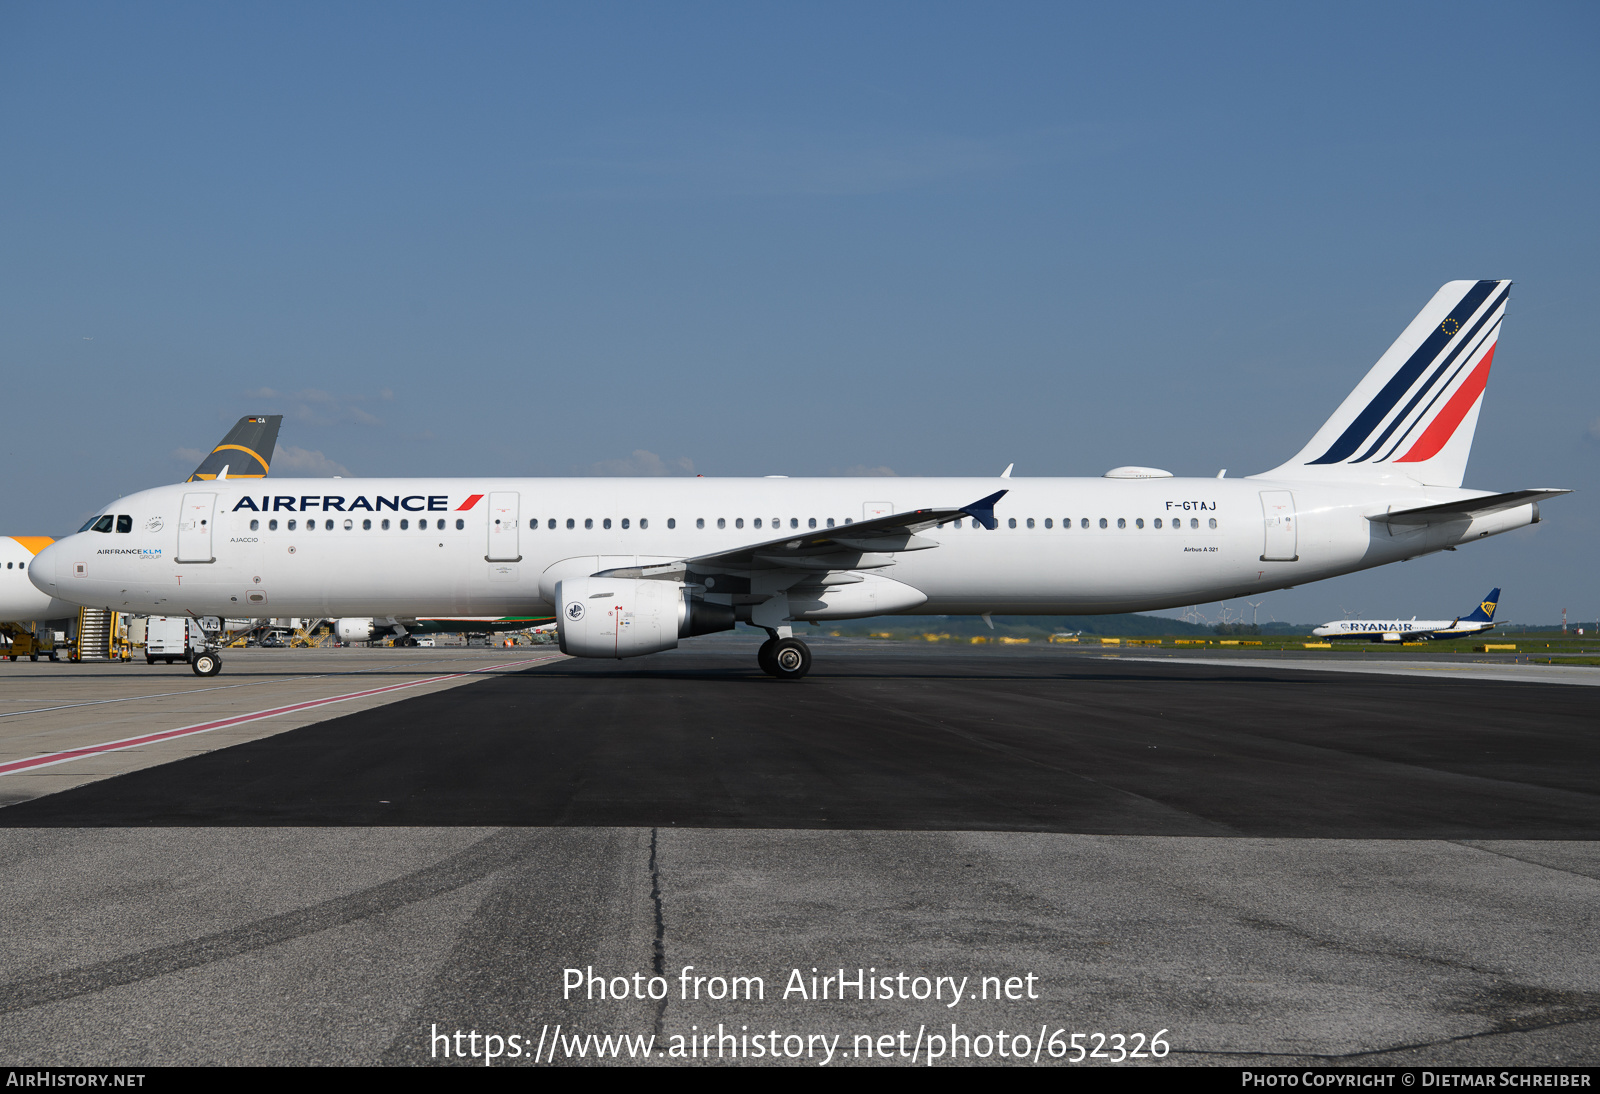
x=643 y=523
x=672 y=522
x=830 y=522
x=812 y=523
x=1213 y=522
x=699 y=522
x=571 y=523
x=349 y=524
x=104 y=523
x=533 y=525
x=1030 y=522
x=1047 y=523
x=1086 y=522
x=404 y=524
x=552 y=523
x=757 y=522
x=272 y=525
x=1011 y=522
x=1194 y=522
x=460 y=524
x=124 y=523
x=327 y=525
x=794 y=522
x=721 y=523
x=738 y=522
x=624 y=524
x=255 y=525
x=588 y=523
x=1103 y=522
x=366 y=525
x=291 y=525
x=606 y=524
x=1139 y=523
x=1157 y=523
x=958 y=522
x=385 y=524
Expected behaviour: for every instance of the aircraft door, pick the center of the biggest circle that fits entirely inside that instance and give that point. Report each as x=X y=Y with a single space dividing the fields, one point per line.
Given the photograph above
x=195 y=524
x=1282 y=542
x=503 y=528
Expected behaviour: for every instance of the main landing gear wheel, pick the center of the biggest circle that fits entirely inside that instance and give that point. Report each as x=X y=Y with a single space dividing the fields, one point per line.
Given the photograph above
x=788 y=659
x=207 y=664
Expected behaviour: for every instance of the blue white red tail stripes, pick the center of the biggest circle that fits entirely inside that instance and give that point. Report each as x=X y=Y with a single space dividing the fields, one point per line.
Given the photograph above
x=1418 y=405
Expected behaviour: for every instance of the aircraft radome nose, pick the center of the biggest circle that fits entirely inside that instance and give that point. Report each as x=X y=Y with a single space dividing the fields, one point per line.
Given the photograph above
x=42 y=570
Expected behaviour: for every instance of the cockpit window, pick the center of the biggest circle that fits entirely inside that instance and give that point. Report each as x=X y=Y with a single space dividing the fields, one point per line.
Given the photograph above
x=88 y=524
x=124 y=523
x=103 y=524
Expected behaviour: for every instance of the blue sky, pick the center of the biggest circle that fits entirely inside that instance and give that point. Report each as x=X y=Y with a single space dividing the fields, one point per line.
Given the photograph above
x=759 y=239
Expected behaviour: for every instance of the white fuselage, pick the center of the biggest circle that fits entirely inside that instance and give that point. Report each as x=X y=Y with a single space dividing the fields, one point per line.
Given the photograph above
x=20 y=601
x=1149 y=543
x=1376 y=629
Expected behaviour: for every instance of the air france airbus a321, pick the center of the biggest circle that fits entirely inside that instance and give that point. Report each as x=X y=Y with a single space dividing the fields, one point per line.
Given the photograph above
x=1480 y=619
x=631 y=566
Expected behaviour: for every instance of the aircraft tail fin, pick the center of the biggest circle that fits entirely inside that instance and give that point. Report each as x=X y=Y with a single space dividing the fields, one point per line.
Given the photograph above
x=1413 y=415
x=1484 y=612
x=246 y=451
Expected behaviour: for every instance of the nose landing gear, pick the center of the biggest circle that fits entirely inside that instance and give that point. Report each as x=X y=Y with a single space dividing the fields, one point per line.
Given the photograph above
x=206 y=663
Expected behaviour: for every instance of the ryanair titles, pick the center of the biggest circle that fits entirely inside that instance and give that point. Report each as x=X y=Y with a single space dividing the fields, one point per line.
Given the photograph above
x=331 y=503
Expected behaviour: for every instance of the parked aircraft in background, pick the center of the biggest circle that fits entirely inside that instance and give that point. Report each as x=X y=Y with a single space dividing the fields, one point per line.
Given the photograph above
x=249 y=446
x=368 y=628
x=631 y=566
x=1479 y=620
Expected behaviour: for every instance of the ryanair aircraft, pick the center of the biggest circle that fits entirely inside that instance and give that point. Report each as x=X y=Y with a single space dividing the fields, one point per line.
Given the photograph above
x=1415 y=630
x=632 y=566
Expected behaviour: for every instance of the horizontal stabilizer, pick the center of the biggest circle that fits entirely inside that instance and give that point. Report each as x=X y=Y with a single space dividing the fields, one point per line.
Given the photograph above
x=1465 y=509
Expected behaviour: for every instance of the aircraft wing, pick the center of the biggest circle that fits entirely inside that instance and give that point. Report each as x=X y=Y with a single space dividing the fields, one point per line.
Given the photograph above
x=1465 y=509
x=819 y=550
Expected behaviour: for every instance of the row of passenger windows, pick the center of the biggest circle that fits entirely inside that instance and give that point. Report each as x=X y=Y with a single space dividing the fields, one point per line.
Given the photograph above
x=644 y=523
x=672 y=522
x=366 y=525
x=18 y=565
x=1122 y=522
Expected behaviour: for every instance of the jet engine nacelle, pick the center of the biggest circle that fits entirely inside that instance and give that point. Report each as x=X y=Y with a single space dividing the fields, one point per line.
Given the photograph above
x=354 y=629
x=630 y=617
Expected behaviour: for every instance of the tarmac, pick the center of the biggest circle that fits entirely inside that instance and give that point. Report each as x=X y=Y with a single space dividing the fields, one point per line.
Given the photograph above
x=1264 y=864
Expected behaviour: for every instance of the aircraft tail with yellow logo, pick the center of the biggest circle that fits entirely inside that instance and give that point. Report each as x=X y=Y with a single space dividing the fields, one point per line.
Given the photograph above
x=1484 y=613
x=245 y=453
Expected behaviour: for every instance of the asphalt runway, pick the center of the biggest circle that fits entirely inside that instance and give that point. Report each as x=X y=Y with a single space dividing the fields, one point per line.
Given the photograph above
x=1271 y=865
x=1012 y=740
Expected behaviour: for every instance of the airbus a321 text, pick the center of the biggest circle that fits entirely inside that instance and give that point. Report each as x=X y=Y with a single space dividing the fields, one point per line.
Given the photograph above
x=631 y=566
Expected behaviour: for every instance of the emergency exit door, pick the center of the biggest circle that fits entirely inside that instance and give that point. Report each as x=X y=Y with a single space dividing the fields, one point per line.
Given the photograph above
x=195 y=524
x=503 y=528
x=1282 y=538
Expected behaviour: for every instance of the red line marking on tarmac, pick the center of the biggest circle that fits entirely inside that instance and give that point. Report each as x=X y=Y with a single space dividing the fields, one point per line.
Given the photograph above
x=50 y=758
